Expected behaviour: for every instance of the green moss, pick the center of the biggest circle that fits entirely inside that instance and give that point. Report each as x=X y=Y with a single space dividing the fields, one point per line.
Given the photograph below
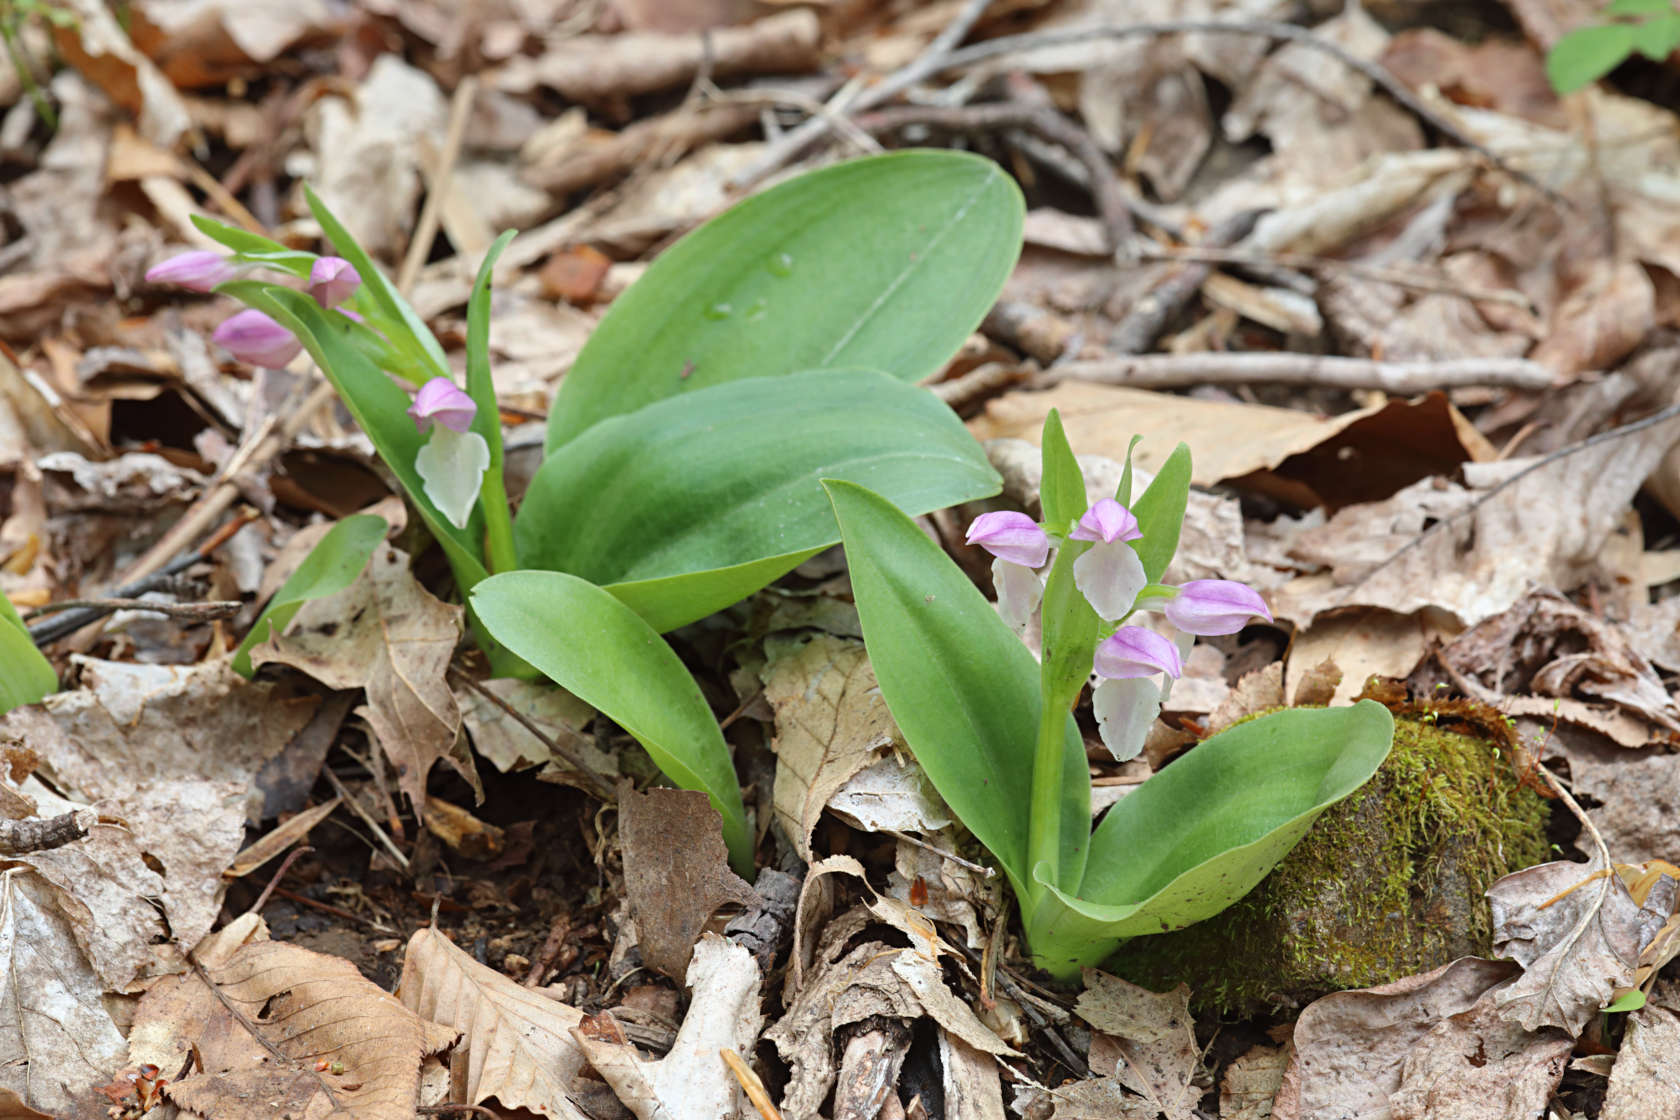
x=1388 y=883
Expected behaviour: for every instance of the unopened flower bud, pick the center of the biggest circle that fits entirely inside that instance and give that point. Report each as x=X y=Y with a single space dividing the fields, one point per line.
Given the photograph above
x=332 y=280
x=198 y=270
x=253 y=337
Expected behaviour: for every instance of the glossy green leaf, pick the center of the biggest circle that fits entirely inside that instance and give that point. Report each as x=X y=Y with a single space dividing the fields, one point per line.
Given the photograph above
x=1587 y=54
x=602 y=652
x=1061 y=490
x=1638 y=7
x=960 y=684
x=415 y=341
x=1160 y=512
x=25 y=675
x=331 y=566
x=692 y=503
x=886 y=263
x=1658 y=38
x=255 y=246
x=1205 y=830
x=378 y=404
x=1627 y=1001
x=481 y=386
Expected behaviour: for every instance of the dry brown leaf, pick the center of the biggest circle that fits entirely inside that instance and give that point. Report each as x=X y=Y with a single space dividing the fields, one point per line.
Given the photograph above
x=1251 y=1081
x=1350 y=1046
x=192 y=859
x=926 y=978
x=676 y=871
x=1363 y=643
x=209 y=42
x=1146 y=1040
x=96 y=44
x=389 y=635
x=1100 y=1098
x=1642 y=1082
x=310 y=1007
x=509 y=745
x=973 y=1089
x=56 y=1038
x=1637 y=794
x=517 y=1042
x=1259 y=690
x=1577 y=938
x=692 y=1081
x=1611 y=312
x=1480 y=1066
x=831 y=723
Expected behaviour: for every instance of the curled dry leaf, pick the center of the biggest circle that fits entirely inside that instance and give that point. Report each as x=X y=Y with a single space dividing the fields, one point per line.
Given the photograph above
x=389 y=635
x=1577 y=933
x=308 y=1006
x=1481 y=1066
x=516 y=1042
x=692 y=1081
x=56 y=1037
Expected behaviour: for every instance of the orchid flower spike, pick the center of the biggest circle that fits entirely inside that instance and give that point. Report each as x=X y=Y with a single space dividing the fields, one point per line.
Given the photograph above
x=440 y=400
x=253 y=337
x=198 y=270
x=1206 y=607
x=332 y=280
x=1136 y=651
x=1109 y=574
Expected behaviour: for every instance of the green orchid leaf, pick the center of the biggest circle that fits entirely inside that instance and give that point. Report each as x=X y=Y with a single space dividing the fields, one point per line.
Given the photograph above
x=25 y=674
x=1160 y=512
x=1123 y=491
x=602 y=652
x=960 y=684
x=1587 y=54
x=1205 y=830
x=1627 y=1001
x=1658 y=38
x=694 y=502
x=331 y=566
x=255 y=247
x=414 y=339
x=1061 y=490
x=886 y=263
x=487 y=422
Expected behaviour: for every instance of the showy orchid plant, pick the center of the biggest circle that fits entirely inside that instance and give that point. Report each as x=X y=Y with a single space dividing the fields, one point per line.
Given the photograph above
x=995 y=732
x=776 y=346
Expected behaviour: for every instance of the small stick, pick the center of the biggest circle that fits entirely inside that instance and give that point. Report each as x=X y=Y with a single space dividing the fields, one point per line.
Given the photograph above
x=597 y=785
x=437 y=185
x=360 y=810
x=1156 y=371
x=750 y=1084
x=980 y=869
x=193 y=612
x=981 y=381
x=274 y=880
x=1148 y=317
x=329 y=908
x=40 y=834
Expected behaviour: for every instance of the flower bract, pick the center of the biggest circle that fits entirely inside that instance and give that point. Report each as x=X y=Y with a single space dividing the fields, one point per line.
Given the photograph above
x=440 y=400
x=1011 y=536
x=1206 y=607
x=253 y=337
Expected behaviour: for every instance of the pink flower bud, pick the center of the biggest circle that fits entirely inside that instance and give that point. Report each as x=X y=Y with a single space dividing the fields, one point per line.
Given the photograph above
x=1206 y=607
x=1107 y=521
x=199 y=270
x=1011 y=536
x=332 y=280
x=439 y=400
x=1134 y=651
x=253 y=337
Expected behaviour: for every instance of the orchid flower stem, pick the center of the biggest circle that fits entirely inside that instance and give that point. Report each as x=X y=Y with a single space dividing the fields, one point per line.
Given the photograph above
x=1044 y=828
x=498 y=525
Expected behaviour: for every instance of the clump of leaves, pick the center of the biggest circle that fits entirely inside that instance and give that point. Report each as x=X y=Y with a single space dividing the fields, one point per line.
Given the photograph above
x=1647 y=27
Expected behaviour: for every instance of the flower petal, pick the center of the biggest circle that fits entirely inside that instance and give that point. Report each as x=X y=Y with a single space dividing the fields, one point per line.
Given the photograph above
x=439 y=399
x=1010 y=536
x=1206 y=607
x=332 y=280
x=452 y=464
x=1019 y=591
x=1110 y=575
x=1125 y=710
x=253 y=337
x=197 y=270
x=1108 y=521
x=1136 y=651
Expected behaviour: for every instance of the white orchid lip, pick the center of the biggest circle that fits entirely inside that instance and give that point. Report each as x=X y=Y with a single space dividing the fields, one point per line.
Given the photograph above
x=1011 y=536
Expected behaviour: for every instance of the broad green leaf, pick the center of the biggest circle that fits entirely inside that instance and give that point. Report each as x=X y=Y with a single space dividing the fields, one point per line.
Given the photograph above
x=602 y=652
x=1587 y=54
x=1061 y=490
x=1627 y=1001
x=378 y=404
x=699 y=500
x=25 y=675
x=331 y=566
x=255 y=246
x=1160 y=512
x=960 y=684
x=887 y=263
x=1205 y=830
x=481 y=386
x=1639 y=7
x=416 y=341
x=1658 y=38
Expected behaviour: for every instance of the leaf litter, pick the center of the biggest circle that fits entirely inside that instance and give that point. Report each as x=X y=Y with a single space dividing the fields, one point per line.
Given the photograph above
x=1476 y=536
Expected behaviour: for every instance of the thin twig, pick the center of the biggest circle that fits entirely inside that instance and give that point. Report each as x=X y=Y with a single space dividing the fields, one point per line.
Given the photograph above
x=1149 y=315
x=1650 y=421
x=1045 y=123
x=981 y=381
x=980 y=868
x=360 y=810
x=1157 y=371
x=194 y=612
x=924 y=65
x=437 y=185
x=274 y=880
x=40 y=834
x=1270 y=29
x=598 y=786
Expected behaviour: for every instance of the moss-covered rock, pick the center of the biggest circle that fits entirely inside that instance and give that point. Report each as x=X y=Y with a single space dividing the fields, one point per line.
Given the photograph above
x=1387 y=883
